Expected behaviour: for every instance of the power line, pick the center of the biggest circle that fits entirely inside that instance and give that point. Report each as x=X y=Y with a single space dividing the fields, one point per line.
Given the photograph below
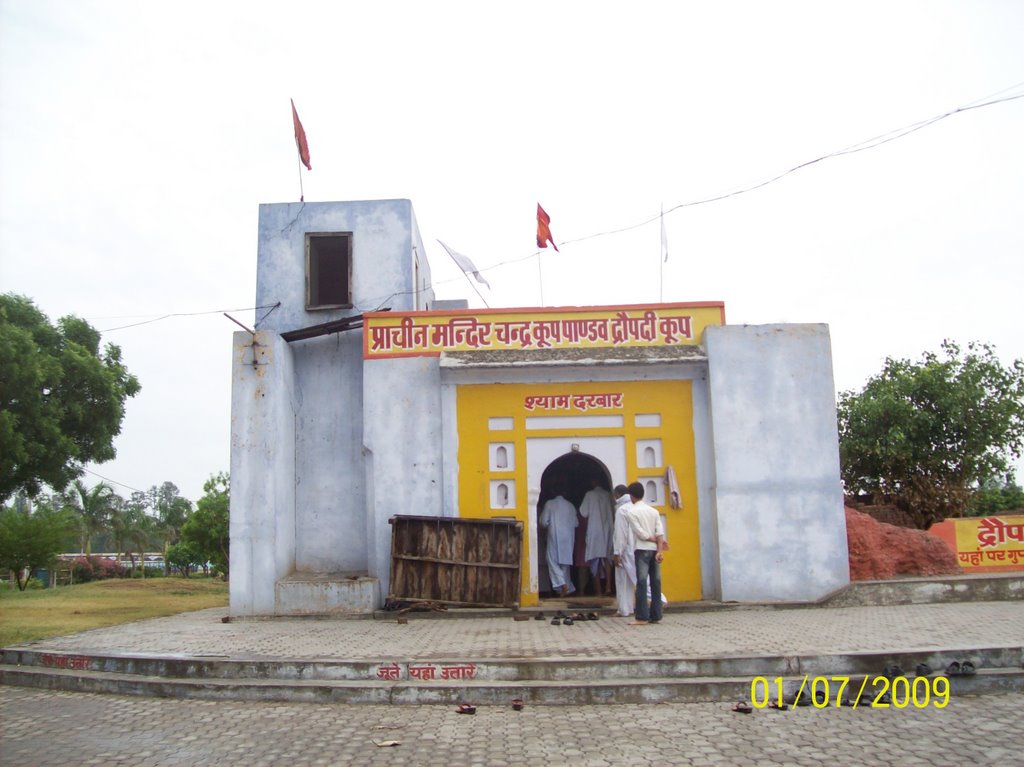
x=184 y=314
x=112 y=481
x=871 y=143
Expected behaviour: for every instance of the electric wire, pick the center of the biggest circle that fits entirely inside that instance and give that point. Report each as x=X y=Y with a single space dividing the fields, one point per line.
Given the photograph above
x=381 y=302
x=185 y=314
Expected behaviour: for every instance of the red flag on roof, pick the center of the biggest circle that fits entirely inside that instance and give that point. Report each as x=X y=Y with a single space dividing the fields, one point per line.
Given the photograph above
x=544 y=230
x=300 y=138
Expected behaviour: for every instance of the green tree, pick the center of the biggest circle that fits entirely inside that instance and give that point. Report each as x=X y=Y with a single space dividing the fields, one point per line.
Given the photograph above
x=116 y=524
x=171 y=510
x=139 y=530
x=185 y=557
x=993 y=497
x=925 y=435
x=61 y=398
x=93 y=508
x=207 y=531
x=31 y=539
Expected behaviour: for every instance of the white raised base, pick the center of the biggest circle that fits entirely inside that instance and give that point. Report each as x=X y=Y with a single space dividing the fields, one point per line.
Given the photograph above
x=326 y=593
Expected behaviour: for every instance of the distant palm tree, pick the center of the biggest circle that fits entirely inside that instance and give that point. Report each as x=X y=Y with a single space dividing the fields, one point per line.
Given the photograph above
x=93 y=507
x=116 y=523
x=138 y=528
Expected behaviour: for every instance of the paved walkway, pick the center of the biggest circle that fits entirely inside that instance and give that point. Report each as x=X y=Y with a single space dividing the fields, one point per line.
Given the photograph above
x=43 y=728
x=743 y=632
x=53 y=729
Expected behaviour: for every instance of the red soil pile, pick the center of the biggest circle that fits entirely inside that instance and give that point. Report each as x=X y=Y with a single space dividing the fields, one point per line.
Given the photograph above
x=879 y=551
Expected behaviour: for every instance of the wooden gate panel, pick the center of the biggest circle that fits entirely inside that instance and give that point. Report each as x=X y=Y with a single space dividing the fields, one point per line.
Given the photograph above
x=455 y=561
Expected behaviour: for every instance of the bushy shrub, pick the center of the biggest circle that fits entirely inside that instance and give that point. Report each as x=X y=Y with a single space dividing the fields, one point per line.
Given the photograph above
x=86 y=569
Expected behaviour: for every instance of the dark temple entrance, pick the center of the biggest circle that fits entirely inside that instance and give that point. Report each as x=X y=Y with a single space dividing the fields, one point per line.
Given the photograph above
x=575 y=473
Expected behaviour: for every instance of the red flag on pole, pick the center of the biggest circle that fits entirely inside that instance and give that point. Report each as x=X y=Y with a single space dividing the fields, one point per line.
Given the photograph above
x=544 y=230
x=300 y=138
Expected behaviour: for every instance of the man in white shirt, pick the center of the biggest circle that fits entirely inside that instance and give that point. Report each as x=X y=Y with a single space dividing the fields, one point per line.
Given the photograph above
x=649 y=535
x=596 y=508
x=622 y=553
x=559 y=517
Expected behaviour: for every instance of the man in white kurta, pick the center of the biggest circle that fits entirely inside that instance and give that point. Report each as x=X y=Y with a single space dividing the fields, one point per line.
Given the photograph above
x=622 y=554
x=596 y=508
x=559 y=517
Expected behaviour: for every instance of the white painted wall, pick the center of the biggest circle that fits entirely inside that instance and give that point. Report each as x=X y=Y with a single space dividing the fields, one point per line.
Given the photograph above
x=300 y=492
x=262 y=516
x=385 y=244
x=330 y=498
x=781 y=528
x=402 y=449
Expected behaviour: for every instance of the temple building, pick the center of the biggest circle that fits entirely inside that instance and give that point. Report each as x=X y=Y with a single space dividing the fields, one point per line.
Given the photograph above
x=360 y=401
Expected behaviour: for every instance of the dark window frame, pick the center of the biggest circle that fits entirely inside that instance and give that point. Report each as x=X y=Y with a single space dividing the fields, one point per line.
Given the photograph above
x=319 y=297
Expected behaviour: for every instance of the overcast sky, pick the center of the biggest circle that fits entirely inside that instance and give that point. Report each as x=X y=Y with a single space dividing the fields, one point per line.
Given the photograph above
x=138 y=138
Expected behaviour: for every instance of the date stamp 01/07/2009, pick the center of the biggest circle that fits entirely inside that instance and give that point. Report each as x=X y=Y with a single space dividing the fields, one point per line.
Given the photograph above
x=874 y=692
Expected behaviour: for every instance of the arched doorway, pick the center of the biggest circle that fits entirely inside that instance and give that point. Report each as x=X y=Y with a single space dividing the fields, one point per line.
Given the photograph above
x=575 y=473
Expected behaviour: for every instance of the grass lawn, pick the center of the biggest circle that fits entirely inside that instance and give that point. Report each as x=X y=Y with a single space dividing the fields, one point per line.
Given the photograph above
x=41 y=613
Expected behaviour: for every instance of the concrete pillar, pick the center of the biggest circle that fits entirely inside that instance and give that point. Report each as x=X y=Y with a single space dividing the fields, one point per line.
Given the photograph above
x=262 y=470
x=778 y=497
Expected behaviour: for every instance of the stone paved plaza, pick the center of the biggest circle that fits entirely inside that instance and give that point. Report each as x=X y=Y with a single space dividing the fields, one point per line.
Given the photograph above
x=40 y=729
x=681 y=634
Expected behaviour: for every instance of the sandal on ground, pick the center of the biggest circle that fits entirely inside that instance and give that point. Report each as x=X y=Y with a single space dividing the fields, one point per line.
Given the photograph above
x=891 y=672
x=465 y=708
x=953 y=669
x=967 y=668
x=742 y=707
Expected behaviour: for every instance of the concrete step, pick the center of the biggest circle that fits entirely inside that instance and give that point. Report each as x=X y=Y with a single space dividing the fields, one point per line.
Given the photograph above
x=482 y=692
x=535 y=680
x=557 y=669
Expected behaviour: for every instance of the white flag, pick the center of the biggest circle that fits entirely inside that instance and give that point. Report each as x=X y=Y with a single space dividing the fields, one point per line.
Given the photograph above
x=466 y=265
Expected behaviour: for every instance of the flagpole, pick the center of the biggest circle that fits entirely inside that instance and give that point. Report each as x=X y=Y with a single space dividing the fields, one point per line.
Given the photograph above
x=302 y=193
x=540 y=275
x=661 y=261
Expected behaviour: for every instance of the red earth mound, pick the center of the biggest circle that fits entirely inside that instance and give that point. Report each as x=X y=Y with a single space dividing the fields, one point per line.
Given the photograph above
x=879 y=551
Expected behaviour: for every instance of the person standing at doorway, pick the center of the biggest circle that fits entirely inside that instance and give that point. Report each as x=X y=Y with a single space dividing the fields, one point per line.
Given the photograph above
x=622 y=553
x=597 y=509
x=559 y=517
x=649 y=533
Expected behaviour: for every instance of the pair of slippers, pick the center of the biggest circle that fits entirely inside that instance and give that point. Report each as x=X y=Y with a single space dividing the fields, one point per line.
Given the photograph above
x=568 y=621
x=466 y=708
x=958 y=668
x=742 y=707
x=893 y=671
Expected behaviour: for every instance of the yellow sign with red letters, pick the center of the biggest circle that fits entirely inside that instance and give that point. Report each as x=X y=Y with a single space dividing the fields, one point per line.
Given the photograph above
x=411 y=334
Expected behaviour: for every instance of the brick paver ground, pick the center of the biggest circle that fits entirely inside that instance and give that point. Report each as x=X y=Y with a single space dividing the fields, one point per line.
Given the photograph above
x=41 y=728
x=698 y=634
